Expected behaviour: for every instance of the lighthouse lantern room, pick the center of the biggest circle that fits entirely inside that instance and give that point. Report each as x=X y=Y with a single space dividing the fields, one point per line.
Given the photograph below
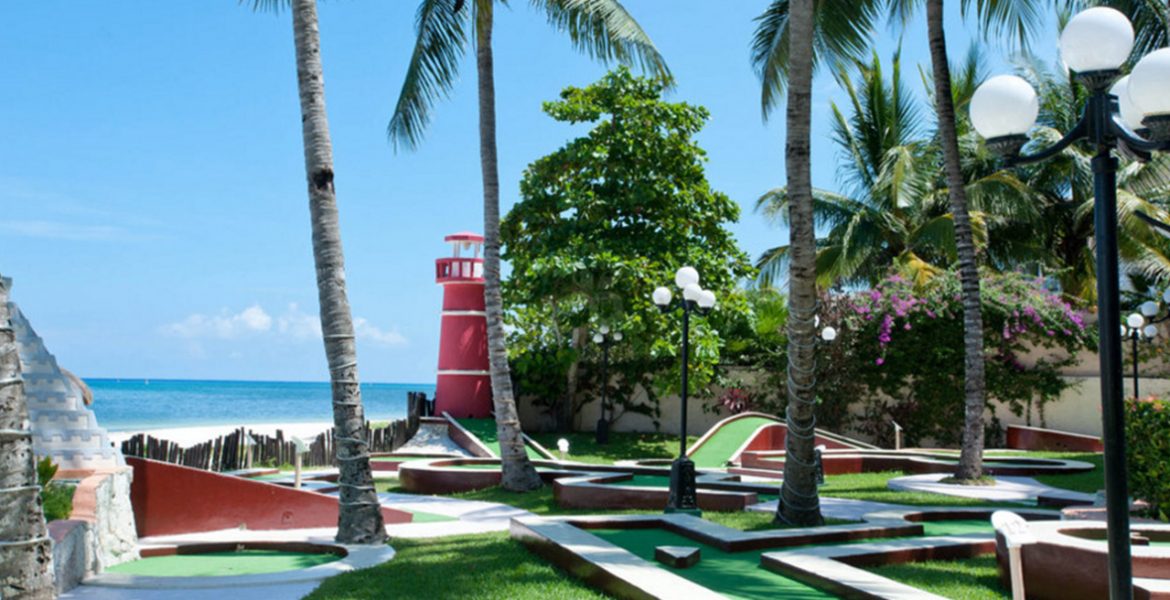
x=463 y=387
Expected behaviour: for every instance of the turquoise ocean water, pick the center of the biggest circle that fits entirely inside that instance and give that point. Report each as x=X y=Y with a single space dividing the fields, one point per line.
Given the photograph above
x=135 y=404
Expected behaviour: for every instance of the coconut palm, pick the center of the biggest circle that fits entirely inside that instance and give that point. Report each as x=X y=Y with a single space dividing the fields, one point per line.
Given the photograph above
x=26 y=552
x=602 y=29
x=893 y=214
x=791 y=37
x=359 y=520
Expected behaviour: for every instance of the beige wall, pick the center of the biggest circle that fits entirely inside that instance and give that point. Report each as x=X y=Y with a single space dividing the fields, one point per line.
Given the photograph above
x=1079 y=408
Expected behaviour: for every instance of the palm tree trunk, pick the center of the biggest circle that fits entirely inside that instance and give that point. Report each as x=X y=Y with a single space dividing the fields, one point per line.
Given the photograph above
x=360 y=517
x=518 y=473
x=26 y=553
x=971 y=457
x=799 y=503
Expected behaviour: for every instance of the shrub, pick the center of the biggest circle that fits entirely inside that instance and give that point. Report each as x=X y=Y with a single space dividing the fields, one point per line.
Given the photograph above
x=1147 y=429
x=56 y=497
x=899 y=352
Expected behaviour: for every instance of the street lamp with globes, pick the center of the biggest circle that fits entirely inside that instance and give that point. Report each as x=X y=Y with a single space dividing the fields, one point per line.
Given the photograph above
x=1127 y=113
x=683 y=492
x=604 y=338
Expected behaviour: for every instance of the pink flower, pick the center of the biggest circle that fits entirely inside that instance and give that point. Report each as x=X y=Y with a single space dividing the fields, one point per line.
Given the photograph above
x=879 y=362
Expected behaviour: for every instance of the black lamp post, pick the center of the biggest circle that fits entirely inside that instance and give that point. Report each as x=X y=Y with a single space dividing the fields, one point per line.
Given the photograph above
x=1142 y=326
x=604 y=338
x=1095 y=44
x=683 y=492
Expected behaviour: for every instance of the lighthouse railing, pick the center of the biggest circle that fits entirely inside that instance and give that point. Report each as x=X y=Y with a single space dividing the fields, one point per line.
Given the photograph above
x=458 y=269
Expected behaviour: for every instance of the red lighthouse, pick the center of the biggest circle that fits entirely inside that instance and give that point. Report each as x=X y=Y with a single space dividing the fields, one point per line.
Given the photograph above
x=464 y=386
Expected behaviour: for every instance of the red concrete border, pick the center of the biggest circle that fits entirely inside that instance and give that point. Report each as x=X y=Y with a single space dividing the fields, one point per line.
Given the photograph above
x=172 y=499
x=1020 y=437
x=838 y=462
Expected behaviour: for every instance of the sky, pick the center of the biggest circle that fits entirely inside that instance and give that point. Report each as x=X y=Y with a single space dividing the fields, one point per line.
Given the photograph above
x=153 y=211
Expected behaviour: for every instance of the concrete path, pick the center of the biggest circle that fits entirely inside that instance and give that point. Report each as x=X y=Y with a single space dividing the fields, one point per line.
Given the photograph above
x=472 y=516
x=837 y=508
x=1006 y=489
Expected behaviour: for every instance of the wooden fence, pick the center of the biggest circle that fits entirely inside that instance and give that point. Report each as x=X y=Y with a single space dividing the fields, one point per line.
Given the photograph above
x=229 y=452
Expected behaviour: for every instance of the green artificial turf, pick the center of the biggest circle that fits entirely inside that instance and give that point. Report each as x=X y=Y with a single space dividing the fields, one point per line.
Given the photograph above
x=872 y=487
x=583 y=446
x=735 y=575
x=485 y=567
x=967 y=579
x=957 y=527
x=244 y=562
x=1088 y=482
x=420 y=516
x=717 y=450
x=485 y=430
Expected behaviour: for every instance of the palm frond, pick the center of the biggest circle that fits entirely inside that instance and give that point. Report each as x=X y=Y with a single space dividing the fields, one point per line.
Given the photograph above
x=841 y=33
x=1015 y=21
x=442 y=38
x=605 y=30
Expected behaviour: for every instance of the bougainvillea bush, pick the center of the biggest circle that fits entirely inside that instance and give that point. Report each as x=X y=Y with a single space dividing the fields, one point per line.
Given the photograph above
x=1147 y=425
x=899 y=352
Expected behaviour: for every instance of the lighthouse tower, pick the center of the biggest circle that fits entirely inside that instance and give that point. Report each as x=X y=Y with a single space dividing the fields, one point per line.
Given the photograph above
x=464 y=386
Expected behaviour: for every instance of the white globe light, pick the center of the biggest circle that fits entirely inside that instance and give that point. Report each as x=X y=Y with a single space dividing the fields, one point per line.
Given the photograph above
x=1130 y=115
x=604 y=329
x=1004 y=105
x=1150 y=331
x=692 y=292
x=617 y=336
x=1149 y=308
x=686 y=276
x=1135 y=321
x=598 y=338
x=706 y=299
x=563 y=445
x=828 y=334
x=1097 y=39
x=1166 y=296
x=1147 y=83
x=662 y=296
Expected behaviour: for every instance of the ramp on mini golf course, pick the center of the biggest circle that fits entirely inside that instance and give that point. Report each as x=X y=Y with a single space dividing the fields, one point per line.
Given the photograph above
x=485 y=431
x=723 y=443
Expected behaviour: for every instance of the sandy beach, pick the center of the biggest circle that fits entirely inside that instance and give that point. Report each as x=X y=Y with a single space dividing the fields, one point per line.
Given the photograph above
x=189 y=436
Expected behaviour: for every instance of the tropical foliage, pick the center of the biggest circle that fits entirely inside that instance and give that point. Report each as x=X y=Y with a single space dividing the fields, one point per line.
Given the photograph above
x=601 y=222
x=1147 y=423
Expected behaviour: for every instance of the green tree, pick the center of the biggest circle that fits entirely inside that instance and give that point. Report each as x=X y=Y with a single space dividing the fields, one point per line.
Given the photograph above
x=602 y=29
x=601 y=222
x=790 y=38
x=894 y=214
x=359 y=519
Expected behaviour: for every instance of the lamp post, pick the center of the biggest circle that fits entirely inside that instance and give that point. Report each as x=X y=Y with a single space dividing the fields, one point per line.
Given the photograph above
x=1131 y=114
x=683 y=493
x=604 y=338
x=1137 y=330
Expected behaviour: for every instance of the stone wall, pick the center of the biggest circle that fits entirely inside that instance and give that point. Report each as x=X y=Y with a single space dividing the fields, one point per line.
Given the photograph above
x=100 y=532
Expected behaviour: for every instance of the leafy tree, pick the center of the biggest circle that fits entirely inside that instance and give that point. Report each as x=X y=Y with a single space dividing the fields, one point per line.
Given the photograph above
x=601 y=222
x=359 y=520
x=601 y=28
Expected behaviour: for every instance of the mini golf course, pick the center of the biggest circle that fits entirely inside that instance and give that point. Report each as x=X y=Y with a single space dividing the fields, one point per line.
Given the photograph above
x=217 y=564
x=485 y=430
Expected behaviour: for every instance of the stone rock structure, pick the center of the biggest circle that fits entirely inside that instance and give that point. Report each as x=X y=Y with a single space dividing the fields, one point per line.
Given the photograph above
x=101 y=531
x=63 y=427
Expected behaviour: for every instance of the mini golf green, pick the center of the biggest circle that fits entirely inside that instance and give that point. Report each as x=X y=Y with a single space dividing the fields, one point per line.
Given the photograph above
x=957 y=527
x=717 y=450
x=216 y=564
x=485 y=430
x=735 y=575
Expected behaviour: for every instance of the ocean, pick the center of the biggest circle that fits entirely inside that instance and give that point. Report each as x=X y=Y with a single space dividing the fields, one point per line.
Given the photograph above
x=137 y=404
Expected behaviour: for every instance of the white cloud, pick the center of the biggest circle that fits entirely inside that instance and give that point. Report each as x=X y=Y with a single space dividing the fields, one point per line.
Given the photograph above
x=366 y=331
x=293 y=324
x=298 y=325
x=223 y=326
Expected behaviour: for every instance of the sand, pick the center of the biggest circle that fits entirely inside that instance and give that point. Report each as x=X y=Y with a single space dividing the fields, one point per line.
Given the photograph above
x=189 y=436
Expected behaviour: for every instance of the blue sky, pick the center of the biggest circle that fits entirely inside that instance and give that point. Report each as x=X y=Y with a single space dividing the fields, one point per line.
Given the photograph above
x=152 y=205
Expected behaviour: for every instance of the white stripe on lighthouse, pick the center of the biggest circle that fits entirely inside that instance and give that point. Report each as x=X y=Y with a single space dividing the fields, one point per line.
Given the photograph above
x=459 y=372
x=464 y=313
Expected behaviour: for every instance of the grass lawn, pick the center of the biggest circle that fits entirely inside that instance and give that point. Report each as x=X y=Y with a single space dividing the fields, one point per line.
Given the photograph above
x=872 y=487
x=1081 y=482
x=622 y=446
x=967 y=579
x=484 y=567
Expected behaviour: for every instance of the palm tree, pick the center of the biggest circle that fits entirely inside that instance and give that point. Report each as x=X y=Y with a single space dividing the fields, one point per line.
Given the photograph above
x=26 y=552
x=893 y=214
x=359 y=519
x=791 y=37
x=601 y=28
